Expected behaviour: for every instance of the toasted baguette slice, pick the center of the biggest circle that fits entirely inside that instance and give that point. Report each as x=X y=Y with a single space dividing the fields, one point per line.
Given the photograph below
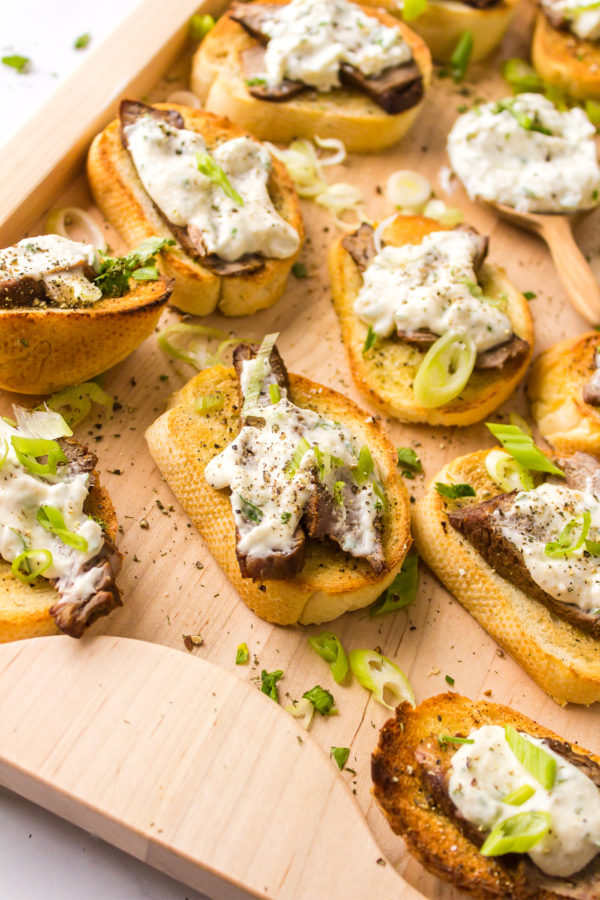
x=399 y=771
x=218 y=80
x=331 y=582
x=443 y=22
x=555 y=390
x=385 y=374
x=564 y=60
x=122 y=198
x=24 y=608
x=561 y=659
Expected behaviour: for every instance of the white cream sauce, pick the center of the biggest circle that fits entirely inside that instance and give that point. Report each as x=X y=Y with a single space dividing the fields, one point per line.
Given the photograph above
x=484 y=772
x=21 y=495
x=59 y=262
x=430 y=286
x=538 y=516
x=582 y=17
x=309 y=39
x=499 y=160
x=166 y=161
x=254 y=466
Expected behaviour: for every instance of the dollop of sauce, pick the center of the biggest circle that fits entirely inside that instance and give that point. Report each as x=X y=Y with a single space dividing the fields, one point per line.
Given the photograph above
x=524 y=153
x=486 y=771
x=22 y=493
x=582 y=17
x=255 y=467
x=430 y=286
x=310 y=39
x=166 y=160
x=57 y=261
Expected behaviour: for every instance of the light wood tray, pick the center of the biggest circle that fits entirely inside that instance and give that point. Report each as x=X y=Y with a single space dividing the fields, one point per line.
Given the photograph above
x=175 y=757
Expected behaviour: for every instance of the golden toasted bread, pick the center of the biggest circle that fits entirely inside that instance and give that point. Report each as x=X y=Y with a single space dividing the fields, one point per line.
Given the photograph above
x=564 y=60
x=555 y=390
x=443 y=22
x=385 y=373
x=218 y=80
x=331 y=582
x=43 y=349
x=25 y=608
x=562 y=659
x=122 y=198
x=399 y=769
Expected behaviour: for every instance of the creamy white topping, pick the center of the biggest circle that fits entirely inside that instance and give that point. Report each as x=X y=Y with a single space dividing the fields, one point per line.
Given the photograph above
x=254 y=467
x=582 y=17
x=310 y=39
x=484 y=772
x=166 y=159
x=58 y=262
x=537 y=517
x=21 y=496
x=499 y=160
x=430 y=286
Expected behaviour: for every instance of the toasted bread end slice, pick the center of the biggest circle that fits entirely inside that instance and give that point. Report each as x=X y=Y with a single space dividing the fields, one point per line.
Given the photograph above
x=566 y=61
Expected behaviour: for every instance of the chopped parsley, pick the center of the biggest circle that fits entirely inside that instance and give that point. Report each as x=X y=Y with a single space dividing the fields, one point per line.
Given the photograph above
x=20 y=63
x=322 y=700
x=529 y=295
x=408 y=461
x=140 y=264
x=269 y=683
x=454 y=491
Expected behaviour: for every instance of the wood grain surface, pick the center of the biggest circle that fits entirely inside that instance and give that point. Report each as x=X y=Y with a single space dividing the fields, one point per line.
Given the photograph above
x=171 y=584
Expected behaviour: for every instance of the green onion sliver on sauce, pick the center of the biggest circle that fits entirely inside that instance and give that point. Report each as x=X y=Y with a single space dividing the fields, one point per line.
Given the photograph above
x=517 y=834
x=51 y=518
x=31 y=563
x=571 y=538
x=259 y=371
x=302 y=447
x=29 y=450
x=532 y=757
x=519 y=796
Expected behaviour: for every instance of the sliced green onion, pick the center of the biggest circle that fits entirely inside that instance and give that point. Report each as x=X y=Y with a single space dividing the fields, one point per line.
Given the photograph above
x=303 y=710
x=521 y=76
x=402 y=591
x=369 y=341
x=209 y=403
x=592 y=547
x=517 y=834
x=75 y=402
x=61 y=220
x=407 y=457
x=30 y=560
x=259 y=372
x=52 y=520
x=571 y=537
x=520 y=422
x=445 y=370
x=18 y=62
x=519 y=796
x=326 y=462
x=506 y=472
x=302 y=447
x=251 y=511
x=592 y=111
x=338 y=493
x=364 y=466
x=274 y=393
x=146 y=273
x=385 y=679
x=242 y=655
x=380 y=493
x=41 y=423
x=461 y=55
x=330 y=648
x=452 y=739
x=321 y=699
x=269 y=683
x=5 y=454
x=522 y=448
x=190 y=331
x=534 y=758
x=82 y=41
x=412 y=9
x=454 y=491
x=340 y=754
x=215 y=173
x=200 y=26
x=29 y=450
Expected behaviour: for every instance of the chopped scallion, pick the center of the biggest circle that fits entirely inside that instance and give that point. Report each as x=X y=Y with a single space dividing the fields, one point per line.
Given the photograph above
x=519 y=796
x=402 y=591
x=209 y=403
x=215 y=173
x=369 y=341
x=321 y=699
x=302 y=447
x=340 y=754
x=454 y=491
x=242 y=655
x=250 y=510
x=51 y=518
x=330 y=648
x=461 y=55
x=517 y=834
x=31 y=563
x=274 y=393
x=30 y=450
x=269 y=683
x=385 y=679
x=571 y=538
x=453 y=739
x=522 y=448
x=534 y=758
x=364 y=466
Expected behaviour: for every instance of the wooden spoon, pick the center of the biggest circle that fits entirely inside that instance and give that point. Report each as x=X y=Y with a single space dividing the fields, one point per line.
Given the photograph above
x=573 y=269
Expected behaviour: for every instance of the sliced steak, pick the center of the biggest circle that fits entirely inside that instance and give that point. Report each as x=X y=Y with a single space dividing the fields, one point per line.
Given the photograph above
x=132 y=110
x=360 y=246
x=279 y=565
x=482 y=241
x=579 y=468
x=555 y=16
x=483 y=530
x=591 y=390
x=251 y=17
x=73 y=617
x=481 y=4
x=17 y=292
x=516 y=349
x=253 y=68
x=395 y=90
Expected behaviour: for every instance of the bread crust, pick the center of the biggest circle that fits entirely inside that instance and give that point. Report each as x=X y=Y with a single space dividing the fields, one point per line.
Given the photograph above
x=121 y=197
x=561 y=659
x=566 y=61
x=331 y=582
x=386 y=373
x=432 y=836
x=45 y=349
x=24 y=608
x=555 y=387
x=444 y=21
x=217 y=79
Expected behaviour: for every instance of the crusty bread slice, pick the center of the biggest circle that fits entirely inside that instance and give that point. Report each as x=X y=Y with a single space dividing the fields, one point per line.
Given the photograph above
x=24 y=608
x=182 y=443
x=566 y=61
x=554 y=388
x=432 y=836
x=122 y=198
x=385 y=374
x=217 y=79
x=443 y=22
x=561 y=658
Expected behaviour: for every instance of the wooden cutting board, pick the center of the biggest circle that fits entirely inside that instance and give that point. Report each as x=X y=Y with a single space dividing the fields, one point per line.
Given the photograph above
x=172 y=586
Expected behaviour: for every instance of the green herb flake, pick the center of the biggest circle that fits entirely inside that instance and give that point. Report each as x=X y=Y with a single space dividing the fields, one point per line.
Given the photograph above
x=402 y=591
x=529 y=295
x=449 y=680
x=251 y=511
x=285 y=517
x=407 y=457
x=369 y=341
x=451 y=739
x=82 y=41
x=454 y=491
x=340 y=754
x=20 y=63
x=269 y=683
x=114 y=275
x=215 y=173
x=299 y=270
x=242 y=655
x=200 y=26
x=322 y=700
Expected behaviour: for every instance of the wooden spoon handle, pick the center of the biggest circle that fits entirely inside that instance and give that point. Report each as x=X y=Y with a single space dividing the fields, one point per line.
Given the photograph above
x=573 y=269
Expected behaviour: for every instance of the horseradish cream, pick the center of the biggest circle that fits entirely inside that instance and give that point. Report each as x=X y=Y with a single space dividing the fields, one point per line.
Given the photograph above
x=523 y=152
